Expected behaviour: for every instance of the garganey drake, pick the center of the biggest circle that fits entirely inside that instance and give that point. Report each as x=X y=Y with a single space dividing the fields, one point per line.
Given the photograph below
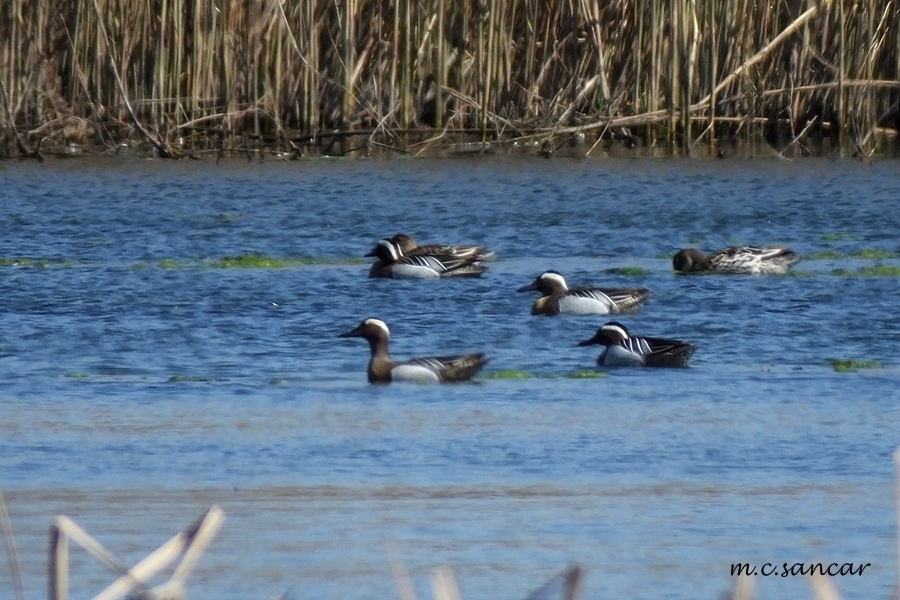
x=400 y=258
x=558 y=298
x=748 y=260
x=419 y=370
x=623 y=350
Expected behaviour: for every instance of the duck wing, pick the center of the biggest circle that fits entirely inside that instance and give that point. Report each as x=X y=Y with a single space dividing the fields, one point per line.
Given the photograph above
x=461 y=252
x=449 y=368
x=753 y=259
x=619 y=300
x=444 y=265
x=660 y=352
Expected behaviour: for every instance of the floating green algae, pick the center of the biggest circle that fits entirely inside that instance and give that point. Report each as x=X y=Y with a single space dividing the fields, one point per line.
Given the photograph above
x=586 y=375
x=865 y=254
x=873 y=271
x=169 y=263
x=187 y=378
x=508 y=375
x=874 y=254
x=34 y=262
x=629 y=271
x=263 y=261
x=824 y=255
x=841 y=235
x=527 y=375
x=844 y=365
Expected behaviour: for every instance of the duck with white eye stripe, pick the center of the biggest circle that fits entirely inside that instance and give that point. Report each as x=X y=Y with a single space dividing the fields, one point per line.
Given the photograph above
x=430 y=369
x=429 y=262
x=621 y=349
x=558 y=298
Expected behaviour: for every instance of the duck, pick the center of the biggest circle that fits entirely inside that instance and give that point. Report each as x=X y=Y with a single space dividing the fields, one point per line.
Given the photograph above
x=621 y=349
x=559 y=298
x=747 y=260
x=424 y=262
x=432 y=369
x=408 y=247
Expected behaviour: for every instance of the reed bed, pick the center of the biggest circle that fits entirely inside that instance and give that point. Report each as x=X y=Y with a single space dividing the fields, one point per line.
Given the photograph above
x=687 y=77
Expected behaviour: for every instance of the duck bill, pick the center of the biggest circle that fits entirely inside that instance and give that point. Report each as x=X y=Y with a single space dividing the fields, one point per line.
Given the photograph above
x=371 y=252
x=355 y=332
x=531 y=287
x=589 y=342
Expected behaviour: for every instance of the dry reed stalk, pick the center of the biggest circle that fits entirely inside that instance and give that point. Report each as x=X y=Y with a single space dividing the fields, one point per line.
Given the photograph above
x=744 y=589
x=823 y=588
x=276 y=71
x=12 y=555
x=897 y=475
x=443 y=584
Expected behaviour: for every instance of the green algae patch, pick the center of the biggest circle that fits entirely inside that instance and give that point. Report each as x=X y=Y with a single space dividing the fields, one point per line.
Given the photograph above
x=188 y=379
x=169 y=263
x=824 y=255
x=629 y=271
x=874 y=271
x=586 y=375
x=34 y=262
x=840 y=235
x=874 y=254
x=864 y=254
x=844 y=365
x=251 y=261
x=508 y=375
x=263 y=261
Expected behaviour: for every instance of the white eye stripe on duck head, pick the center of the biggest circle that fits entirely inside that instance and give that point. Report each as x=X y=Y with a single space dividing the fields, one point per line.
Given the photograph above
x=553 y=279
x=379 y=324
x=614 y=331
x=386 y=250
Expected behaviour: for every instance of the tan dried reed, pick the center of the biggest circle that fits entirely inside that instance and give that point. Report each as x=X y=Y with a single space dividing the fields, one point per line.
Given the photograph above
x=311 y=76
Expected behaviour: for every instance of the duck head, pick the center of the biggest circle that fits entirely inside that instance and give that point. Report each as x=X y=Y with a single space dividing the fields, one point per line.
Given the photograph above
x=546 y=283
x=608 y=334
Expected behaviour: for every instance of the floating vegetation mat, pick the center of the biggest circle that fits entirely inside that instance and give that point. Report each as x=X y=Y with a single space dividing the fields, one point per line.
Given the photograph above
x=188 y=379
x=840 y=235
x=873 y=271
x=864 y=254
x=630 y=271
x=262 y=261
x=526 y=375
x=254 y=261
x=35 y=262
x=847 y=365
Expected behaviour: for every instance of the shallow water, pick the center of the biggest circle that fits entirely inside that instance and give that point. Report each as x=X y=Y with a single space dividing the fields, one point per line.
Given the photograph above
x=143 y=381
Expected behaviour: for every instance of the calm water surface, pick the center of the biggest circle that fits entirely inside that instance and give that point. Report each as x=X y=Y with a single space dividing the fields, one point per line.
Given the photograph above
x=143 y=382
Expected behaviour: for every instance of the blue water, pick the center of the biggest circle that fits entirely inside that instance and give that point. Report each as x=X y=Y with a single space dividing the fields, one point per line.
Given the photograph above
x=143 y=382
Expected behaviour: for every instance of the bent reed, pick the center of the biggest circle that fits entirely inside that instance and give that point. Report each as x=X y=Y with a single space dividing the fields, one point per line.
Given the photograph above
x=687 y=77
